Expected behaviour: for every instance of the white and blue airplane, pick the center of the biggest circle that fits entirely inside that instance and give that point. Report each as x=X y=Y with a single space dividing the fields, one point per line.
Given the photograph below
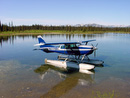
x=69 y=48
x=73 y=49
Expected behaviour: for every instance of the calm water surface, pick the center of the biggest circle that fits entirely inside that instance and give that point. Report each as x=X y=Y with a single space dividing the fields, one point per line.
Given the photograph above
x=24 y=75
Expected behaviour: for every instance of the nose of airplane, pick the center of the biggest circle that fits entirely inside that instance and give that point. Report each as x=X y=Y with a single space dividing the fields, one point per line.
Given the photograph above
x=95 y=48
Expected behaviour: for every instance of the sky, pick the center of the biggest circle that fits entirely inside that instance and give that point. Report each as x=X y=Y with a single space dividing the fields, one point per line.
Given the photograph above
x=65 y=12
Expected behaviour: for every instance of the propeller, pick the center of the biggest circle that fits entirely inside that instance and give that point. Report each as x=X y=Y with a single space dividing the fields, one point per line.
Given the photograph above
x=95 y=48
x=96 y=45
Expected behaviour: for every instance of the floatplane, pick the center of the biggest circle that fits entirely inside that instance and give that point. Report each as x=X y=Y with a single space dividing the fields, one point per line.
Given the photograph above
x=75 y=54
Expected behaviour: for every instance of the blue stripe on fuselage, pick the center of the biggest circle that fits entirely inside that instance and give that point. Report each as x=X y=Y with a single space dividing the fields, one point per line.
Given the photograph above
x=73 y=52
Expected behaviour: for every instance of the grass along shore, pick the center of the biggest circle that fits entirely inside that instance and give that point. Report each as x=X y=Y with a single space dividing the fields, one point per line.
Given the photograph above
x=36 y=32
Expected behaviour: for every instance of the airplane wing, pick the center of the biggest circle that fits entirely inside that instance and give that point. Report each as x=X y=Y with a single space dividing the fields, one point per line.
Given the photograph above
x=39 y=44
x=87 y=41
x=62 y=43
x=59 y=43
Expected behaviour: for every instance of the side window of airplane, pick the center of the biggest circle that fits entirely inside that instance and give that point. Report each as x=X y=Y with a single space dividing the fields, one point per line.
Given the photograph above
x=67 y=46
x=73 y=46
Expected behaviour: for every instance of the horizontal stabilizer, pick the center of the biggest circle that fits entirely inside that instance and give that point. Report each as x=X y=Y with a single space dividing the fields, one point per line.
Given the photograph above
x=39 y=44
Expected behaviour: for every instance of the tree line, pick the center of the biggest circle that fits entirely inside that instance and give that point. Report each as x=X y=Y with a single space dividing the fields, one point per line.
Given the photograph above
x=67 y=28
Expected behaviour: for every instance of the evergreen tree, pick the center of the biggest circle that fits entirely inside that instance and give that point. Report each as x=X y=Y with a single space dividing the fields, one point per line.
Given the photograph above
x=0 y=27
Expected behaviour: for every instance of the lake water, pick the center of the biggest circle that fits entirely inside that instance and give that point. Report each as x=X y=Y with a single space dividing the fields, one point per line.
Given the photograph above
x=24 y=75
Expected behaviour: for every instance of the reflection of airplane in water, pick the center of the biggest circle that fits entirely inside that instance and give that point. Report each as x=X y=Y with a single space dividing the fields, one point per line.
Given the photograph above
x=70 y=80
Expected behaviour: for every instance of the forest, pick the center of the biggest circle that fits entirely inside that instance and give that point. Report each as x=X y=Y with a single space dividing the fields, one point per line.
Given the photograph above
x=65 y=28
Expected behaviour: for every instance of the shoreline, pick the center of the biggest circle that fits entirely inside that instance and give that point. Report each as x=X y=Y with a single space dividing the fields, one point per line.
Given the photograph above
x=57 y=32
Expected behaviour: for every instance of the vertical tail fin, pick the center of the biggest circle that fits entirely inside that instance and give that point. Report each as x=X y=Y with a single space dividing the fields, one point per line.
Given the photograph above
x=40 y=39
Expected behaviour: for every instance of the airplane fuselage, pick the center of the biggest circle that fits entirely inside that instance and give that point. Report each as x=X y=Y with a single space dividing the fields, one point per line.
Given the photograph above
x=69 y=49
